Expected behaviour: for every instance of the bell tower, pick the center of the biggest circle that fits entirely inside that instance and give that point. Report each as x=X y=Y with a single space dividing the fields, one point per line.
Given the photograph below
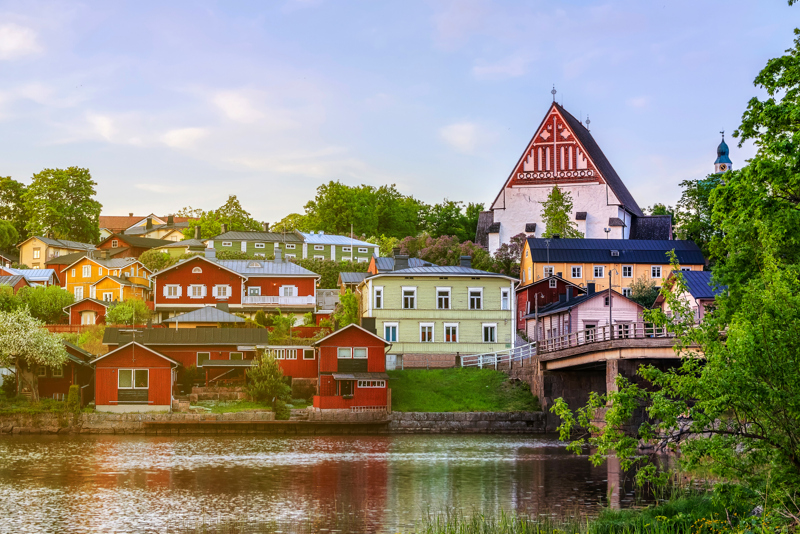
x=723 y=162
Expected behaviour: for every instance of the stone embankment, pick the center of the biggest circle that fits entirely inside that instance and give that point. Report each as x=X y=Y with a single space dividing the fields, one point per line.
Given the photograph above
x=316 y=422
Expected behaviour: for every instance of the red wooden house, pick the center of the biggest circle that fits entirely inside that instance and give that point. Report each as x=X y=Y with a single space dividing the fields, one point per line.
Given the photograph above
x=87 y=311
x=541 y=293
x=15 y=282
x=54 y=382
x=134 y=378
x=352 y=371
x=129 y=246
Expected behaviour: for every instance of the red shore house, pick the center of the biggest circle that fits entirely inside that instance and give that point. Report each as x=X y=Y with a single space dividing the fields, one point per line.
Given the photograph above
x=87 y=311
x=54 y=382
x=549 y=290
x=352 y=371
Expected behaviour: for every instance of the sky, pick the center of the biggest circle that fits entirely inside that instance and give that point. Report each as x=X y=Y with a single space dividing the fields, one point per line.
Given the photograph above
x=177 y=104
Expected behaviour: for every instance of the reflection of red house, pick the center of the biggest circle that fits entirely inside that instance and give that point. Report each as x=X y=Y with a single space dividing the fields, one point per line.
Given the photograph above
x=87 y=311
x=54 y=382
x=134 y=378
x=549 y=290
x=352 y=370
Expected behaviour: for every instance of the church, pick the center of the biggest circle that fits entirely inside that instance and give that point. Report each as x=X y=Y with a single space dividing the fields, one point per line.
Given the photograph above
x=563 y=152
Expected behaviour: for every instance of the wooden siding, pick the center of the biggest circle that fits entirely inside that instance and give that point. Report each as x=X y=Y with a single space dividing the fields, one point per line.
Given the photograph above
x=593 y=311
x=550 y=294
x=75 y=312
x=212 y=275
x=299 y=368
x=352 y=337
x=361 y=397
x=159 y=391
x=271 y=286
x=105 y=391
x=133 y=357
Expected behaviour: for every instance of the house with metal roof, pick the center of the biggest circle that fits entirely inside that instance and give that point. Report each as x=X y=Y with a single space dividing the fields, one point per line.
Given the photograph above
x=129 y=246
x=585 y=261
x=109 y=279
x=380 y=264
x=34 y=277
x=15 y=282
x=154 y=228
x=433 y=314
x=54 y=382
x=564 y=153
x=701 y=293
x=205 y=317
x=88 y=311
x=36 y=250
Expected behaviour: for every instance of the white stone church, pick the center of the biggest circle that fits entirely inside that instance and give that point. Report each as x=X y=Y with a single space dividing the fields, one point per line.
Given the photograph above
x=564 y=153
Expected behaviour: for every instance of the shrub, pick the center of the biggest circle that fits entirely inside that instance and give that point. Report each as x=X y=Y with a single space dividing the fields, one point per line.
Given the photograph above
x=282 y=411
x=266 y=381
x=9 y=387
x=74 y=399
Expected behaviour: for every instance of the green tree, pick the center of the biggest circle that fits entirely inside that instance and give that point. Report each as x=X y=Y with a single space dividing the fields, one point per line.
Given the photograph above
x=233 y=255
x=282 y=325
x=266 y=382
x=329 y=270
x=445 y=250
x=129 y=312
x=557 y=215
x=210 y=222
x=346 y=311
x=293 y=221
x=12 y=205
x=25 y=344
x=385 y=244
x=508 y=255
x=8 y=235
x=156 y=260
x=644 y=291
x=46 y=303
x=660 y=209
x=8 y=300
x=337 y=206
x=694 y=213
x=62 y=201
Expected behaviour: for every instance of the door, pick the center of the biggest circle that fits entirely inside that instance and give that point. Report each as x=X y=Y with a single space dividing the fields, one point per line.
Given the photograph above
x=589 y=335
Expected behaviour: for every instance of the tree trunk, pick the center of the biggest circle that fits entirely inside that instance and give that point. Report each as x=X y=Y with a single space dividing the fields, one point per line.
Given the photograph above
x=27 y=379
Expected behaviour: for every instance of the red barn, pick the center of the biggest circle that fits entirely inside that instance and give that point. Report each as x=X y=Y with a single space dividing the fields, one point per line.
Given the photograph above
x=54 y=382
x=87 y=311
x=352 y=371
x=549 y=290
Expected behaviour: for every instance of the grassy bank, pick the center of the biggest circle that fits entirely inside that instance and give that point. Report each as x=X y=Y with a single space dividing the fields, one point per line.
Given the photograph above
x=22 y=405
x=459 y=390
x=243 y=405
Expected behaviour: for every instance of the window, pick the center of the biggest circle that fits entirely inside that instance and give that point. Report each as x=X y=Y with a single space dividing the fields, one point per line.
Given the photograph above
x=172 y=291
x=553 y=283
x=599 y=272
x=226 y=243
x=86 y=272
x=37 y=253
x=253 y=291
x=530 y=273
x=362 y=260
x=58 y=372
x=260 y=245
x=99 y=271
x=290 y=256
x=451 y=332
x=288 y=291
x=475 y=298
x=319 y=257
x=133 y=378
x=72 y=273
x=372 y=383
x=605 y=301
x=236 y=356
x=196 y=291
x=443 y=298
x=505 y=301
x=108 y=296
x=79 y=293
x=360 y=353
x=549 y=270
x=409 y=298
x=626 y=292
x=363 y=250
x=202 y=357
x=197 y=270
x=290 y=246
x=345 y=249
x=319 y=247
x=426 y=332
x=278 y=354
x=222 y=291
x=41 y=371
x=344 y=353
x=655 y=271
x=489 y=333
x=308 y=354
x=291 y=354
x=627 y=271
x=686 y=268
x=577 y=271
x=254 y=265
x=114 y=243
x=390 y=332
x=378 y=298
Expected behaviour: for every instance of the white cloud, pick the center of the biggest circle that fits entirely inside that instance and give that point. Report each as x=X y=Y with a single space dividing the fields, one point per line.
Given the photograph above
x=511 y=67
x=237 y=106
x=102 y=125
x=183 y=137
x=638 y=102
x=462 y=136
x=17 y=41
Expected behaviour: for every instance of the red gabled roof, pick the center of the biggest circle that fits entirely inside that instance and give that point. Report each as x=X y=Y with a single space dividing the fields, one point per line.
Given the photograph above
x=348 y=327
x=117 y=223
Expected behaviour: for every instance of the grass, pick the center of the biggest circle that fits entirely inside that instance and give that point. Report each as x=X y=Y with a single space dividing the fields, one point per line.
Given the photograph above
x=459 y=390
x=23 y=405
x=234 y=406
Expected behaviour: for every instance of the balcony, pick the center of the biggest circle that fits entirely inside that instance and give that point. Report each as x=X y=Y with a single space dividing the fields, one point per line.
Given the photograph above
x=252 y=300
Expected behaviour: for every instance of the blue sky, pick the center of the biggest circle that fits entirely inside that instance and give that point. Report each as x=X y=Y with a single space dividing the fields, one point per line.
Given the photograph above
x=174 y=104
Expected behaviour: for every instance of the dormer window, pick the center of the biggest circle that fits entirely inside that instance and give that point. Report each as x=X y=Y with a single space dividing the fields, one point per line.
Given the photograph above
x=114 y=243
x=197 y=270
x=254 y=265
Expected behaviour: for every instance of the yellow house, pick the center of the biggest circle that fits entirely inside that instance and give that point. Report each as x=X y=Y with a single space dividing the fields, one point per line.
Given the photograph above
x=121 y=278
x=596 y=261
x=36 y=250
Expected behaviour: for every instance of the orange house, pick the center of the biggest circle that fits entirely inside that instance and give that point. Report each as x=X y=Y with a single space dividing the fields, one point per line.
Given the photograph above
x=114 y=279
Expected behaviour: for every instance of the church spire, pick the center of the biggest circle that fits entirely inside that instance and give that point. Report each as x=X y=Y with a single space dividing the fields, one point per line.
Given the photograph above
x=723 y=162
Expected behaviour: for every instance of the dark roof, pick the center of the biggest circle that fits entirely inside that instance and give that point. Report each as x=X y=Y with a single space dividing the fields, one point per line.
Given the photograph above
x=601 y=162
x=652 y=227
x=384 y=264
x=494 y=228
x=13 y=256
x=580 y=215
x=616 y=221
x=83 y=357
x=599 y=251
x=541 y=280
x=11 y=280
x=273 y=237
x=135 y=241
x=123 y=281
x=565 y=305
x=360 y=376
x=228 y=363
x=530 y=227
x=700 y=285
x=63 y=243
x=103 y=303
x=66 y=259
x=352 y=278
x=207 y=314
x=189 y=336
x=485 y=219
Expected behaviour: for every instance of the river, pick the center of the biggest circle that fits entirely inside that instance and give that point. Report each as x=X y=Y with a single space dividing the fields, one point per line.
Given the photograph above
x=296 y=484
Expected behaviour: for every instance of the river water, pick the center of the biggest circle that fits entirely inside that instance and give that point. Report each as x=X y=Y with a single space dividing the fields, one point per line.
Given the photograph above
x=295 y=484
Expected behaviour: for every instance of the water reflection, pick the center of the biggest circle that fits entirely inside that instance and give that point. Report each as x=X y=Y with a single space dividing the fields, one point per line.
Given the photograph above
x=303 y=484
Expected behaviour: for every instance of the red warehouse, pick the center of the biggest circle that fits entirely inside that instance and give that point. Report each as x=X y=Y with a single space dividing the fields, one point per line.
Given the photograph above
x=134 y=378
x=352 y=371
x=54 y=382
x=541 y=293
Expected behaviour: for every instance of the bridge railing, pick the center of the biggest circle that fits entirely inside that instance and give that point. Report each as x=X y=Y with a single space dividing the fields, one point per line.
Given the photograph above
x=493 y=359
x=602 y=333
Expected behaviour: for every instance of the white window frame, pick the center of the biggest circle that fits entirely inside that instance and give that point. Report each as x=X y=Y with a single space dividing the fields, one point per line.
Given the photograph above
x=344 y=353
x=378 y=298
x=293 y=291
x=99 y=271
x=602 y=272
x=432 y=327
x=253 y=291
x=449 y=298
x=548 y=268
x=37 y=253
x=345 y=249
x=228 y=291
x=403 y=297
x=364 y=357
x=469 y=297
x=372 y=383
x=319 y=247
x=307 y=351
x=505 y=299
x=197 y=358
x=259 y=255
x=553 y=283
x=290 y=354
x=231 y=355
x=292 y=256
x=579 y=269
x=108 y=296
x=86 y=271
x=278 y=354
x=41 y=372
x=396 y=327
x=320 y=258
x=362 y=260
x=133 y=379
x=630 y=275
x=450 y=325
x=72 y=274
x=653 y=270
x=57 y=372
x=169 y=288
x=363 y=250
x=114 y=243
x=484 y=326
x=227 y=244
x=259 y=245
x=78 y=291
x=290 y=246
x=626 y=292
x=191 y=290
x=197 y=270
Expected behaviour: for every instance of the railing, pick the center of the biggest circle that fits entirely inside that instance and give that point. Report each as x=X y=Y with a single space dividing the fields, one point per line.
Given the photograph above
x=364 y=409
x=493 y=359
x=279 y=301
x=603 y=333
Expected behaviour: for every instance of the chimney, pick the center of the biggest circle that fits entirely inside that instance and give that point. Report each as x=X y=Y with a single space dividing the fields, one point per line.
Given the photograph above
x=50 y=235
x=265 y=226
x=562 y=297
x=130 y=214
x=395 y=252
x=278 y=258
x=569 y=293
x=197 y=232
x=211 y=253
x=321 y=232
x=149 y=224
x=400 y=262
x=556 y=236
x=466 y=261
x=224 y=228
x=223 y=306
x=560 y=275
x=590 y=288
x=171 y=220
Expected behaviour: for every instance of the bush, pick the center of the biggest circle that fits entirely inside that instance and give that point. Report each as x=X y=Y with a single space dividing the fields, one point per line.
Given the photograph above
x=266 y=381
x=9 y=387
x=189 y=377
x=74 y=399
x=282 y=411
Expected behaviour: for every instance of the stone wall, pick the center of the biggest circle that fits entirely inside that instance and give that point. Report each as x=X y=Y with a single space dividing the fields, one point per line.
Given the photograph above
x=467 y=423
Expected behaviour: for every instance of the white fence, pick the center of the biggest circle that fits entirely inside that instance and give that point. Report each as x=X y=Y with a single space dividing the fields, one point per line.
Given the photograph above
x=493 y=359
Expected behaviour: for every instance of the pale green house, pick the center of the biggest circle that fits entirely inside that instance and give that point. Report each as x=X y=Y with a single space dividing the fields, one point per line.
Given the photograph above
x=433 y=314
x=295 y=244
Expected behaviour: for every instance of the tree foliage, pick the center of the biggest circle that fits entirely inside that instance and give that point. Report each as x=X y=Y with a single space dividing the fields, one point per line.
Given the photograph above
x=8 y=235
x=156 y=260
x=694 y=213
x=25 y=344
x=644 y=291
x=12 y=205
x=557 y=215
x=508 y=255
x=346 y=311
x=210 y=222
x=329 y=270
x=46 y=303
x=449 y=218
x=62 y=201
x=445 y=250
x=266 y=382
x=129 y=312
